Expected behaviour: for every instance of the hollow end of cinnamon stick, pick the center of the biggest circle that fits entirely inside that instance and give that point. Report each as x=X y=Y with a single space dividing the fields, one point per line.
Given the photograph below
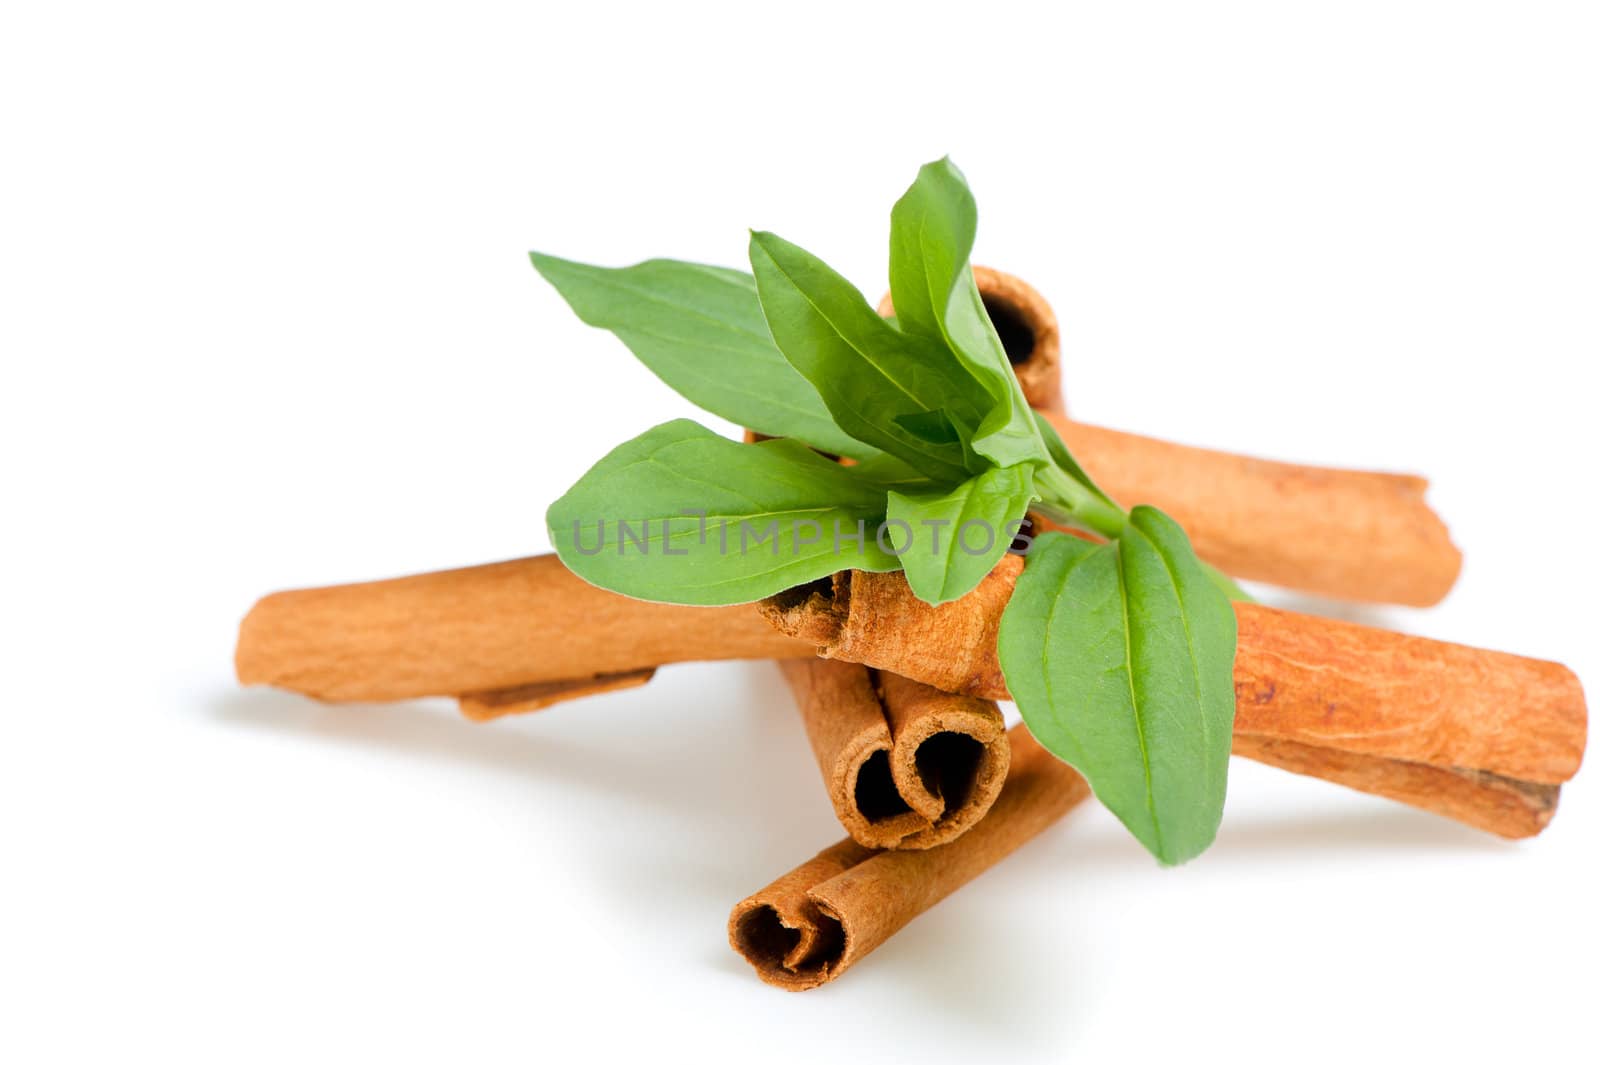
x=904 y=765
x=949 y=758
x=814 y=613
x=1027 y=329
x=813 y=923
x=792 y=939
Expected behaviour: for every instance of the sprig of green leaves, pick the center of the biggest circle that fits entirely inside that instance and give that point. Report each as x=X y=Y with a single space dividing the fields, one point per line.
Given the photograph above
x=1119 y=653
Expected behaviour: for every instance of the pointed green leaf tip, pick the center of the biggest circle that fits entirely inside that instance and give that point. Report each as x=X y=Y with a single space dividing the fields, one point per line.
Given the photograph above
x=700 y=329
x=931 y=232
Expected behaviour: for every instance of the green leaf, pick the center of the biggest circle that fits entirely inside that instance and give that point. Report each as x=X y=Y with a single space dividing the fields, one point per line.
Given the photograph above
x=775 y=515
x=700 y=329
x=1120 y=658
x=880 y=385
x=931 y=231
x=932 y=228
x=950 y=539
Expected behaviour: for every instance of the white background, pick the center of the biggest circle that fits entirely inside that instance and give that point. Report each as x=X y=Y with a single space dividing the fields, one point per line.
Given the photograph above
x=268 y=322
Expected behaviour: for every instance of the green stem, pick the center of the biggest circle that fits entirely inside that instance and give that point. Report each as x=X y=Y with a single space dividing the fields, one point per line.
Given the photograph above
x=1068 y=500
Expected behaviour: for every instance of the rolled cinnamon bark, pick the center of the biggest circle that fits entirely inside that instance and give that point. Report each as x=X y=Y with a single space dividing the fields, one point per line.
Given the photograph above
x=1312 y=682
x=905 y=765
x=809 y=926
x=511 y=633
x=1348 y=534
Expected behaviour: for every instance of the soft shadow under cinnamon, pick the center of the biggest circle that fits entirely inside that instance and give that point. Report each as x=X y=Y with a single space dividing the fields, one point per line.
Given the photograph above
x=718 y=796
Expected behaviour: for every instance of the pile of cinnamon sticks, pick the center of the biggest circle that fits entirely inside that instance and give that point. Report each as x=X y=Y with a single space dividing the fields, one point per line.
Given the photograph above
x=898 y=697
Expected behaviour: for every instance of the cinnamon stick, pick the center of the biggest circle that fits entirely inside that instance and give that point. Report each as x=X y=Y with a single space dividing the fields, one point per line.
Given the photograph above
x=1306 y=680
x=510 y=634
x=905 y=765
x=1348 y=534
x=1341 y=533
x=809 y=926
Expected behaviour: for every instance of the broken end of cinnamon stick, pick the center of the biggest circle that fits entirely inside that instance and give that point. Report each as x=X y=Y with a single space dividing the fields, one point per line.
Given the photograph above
x=873 y=619
x=503 y=702
x=814 y=613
